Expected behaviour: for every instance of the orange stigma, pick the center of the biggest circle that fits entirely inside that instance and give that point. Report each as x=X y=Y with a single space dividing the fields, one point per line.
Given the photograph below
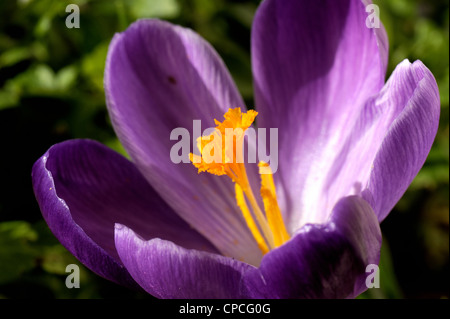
x=221 y=154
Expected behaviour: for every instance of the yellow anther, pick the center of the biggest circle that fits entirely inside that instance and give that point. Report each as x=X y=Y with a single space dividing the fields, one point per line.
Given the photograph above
x=220 y=156
x=271 y=208
x=240 y=199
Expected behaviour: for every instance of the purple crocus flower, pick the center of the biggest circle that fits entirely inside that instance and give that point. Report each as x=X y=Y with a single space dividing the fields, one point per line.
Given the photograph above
x=349 y=146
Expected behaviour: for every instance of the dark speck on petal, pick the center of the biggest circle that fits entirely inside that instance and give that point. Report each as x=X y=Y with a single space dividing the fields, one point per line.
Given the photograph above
x=172 y=80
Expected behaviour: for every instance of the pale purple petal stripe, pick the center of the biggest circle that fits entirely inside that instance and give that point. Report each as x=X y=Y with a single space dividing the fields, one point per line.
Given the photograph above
x=315 y=64
x=160 y=77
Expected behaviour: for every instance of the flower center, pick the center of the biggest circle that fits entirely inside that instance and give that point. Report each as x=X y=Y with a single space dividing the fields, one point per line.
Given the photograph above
x=223 y=156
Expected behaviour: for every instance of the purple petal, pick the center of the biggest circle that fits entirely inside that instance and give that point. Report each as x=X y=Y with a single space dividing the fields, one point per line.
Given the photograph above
x=83 y=189
x=160 y=77
x=166 y=270
x=315 y=63
x=412 y=92
x=387 y=145
x=322 y=261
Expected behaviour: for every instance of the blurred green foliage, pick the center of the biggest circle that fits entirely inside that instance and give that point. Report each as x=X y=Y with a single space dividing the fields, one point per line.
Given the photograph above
x=51 y=89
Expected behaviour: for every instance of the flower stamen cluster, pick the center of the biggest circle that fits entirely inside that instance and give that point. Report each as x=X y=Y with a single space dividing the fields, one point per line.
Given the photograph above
x=224 y=157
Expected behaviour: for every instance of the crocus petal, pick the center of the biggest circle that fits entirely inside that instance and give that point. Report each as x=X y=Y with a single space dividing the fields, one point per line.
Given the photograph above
x=166 y=270
x=83 y=188
x=321 y=261
x=412 y=92
x=160 y=77
x=315 y=63
x=388 y=143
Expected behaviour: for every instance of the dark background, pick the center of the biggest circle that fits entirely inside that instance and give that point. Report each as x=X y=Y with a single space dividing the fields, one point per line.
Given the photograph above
x=51 y=90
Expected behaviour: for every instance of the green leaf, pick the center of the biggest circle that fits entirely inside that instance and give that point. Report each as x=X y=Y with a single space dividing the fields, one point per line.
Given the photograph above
x=14 y=56
x=16 y=253
x=93 y=65
x=66 y=77
x=153 y=8
x=56 y=258
x=8 y=99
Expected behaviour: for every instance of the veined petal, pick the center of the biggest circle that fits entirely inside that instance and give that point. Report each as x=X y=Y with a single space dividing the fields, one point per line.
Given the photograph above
x=167 y=270
x=408 y=140
x=315 y=63
x=321 y=260
x=403 y=117
x=83 y=188
x=160 y=77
